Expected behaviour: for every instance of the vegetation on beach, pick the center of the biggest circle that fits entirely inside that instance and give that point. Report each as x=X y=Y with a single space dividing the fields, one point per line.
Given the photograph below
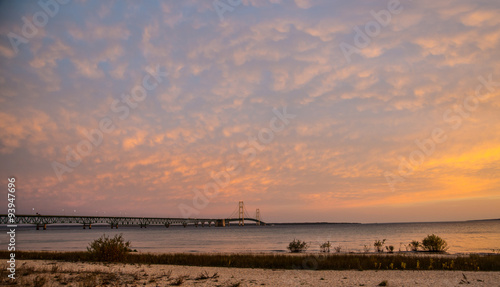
x=116 y=249
x=325 y=247
x=431 y=243
x=297 y=246
x=323 y=261
x=379 y=244
x=109 y=249
x=434 y=243
x=414 y=245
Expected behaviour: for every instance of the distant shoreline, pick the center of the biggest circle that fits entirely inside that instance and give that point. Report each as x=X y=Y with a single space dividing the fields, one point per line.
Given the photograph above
x=4 y=226
x=366 y=223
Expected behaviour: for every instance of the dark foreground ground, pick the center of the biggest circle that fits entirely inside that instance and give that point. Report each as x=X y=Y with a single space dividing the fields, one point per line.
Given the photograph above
x=59 y=273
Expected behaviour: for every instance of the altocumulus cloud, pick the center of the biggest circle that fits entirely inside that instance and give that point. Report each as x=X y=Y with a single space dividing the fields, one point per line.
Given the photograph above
x=356 y=116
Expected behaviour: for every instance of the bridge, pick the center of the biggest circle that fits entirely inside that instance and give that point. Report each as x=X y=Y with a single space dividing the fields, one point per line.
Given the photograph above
x=41 y=221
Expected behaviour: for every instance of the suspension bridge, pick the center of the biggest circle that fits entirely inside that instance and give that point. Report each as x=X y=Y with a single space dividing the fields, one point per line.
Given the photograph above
x=41 y=221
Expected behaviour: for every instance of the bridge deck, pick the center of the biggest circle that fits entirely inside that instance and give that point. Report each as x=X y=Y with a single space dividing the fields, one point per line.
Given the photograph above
x=43 y=220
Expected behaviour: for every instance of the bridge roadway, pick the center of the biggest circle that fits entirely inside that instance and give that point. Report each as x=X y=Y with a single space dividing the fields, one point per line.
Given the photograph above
x=87 y=221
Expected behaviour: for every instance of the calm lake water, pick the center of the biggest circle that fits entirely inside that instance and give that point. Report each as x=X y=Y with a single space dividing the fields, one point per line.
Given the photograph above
x=462 y=237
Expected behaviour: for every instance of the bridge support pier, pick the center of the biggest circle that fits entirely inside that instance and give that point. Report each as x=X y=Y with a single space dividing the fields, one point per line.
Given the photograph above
x=184 y=224
x=38 y=225
x=167 y=225
x=89 y=225
x=145 y=225
x=114 y=225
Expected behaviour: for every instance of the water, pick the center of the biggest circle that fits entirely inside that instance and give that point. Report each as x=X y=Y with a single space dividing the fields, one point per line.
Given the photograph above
x=462 y=237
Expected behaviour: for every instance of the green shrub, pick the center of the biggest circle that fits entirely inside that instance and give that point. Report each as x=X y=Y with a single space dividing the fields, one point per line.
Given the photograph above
x=109 y=249
x=434 y=243
x=414 y=245
x=379 y=245
x=297 y=246
x=390 y=249
x=325 y=247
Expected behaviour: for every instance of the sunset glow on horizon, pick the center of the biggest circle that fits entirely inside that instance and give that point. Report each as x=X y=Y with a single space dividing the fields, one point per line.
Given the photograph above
x=331 y=111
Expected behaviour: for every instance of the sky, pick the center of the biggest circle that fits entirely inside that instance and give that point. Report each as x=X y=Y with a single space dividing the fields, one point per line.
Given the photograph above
x=337 y=111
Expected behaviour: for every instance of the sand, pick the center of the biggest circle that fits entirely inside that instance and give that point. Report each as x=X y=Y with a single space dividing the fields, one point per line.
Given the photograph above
x=54 y=273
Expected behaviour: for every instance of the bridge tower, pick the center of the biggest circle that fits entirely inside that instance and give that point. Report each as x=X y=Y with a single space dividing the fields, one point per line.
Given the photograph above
x=257 y=216
x=241 y=214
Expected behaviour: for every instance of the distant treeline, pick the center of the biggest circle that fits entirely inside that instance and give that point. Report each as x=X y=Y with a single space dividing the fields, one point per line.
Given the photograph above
x=310 y=223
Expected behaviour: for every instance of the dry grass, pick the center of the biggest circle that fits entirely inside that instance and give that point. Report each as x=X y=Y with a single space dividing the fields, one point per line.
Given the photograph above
x=285 y=261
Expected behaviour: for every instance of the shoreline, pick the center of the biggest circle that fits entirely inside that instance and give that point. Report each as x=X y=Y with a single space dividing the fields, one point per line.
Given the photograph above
x=288 y=253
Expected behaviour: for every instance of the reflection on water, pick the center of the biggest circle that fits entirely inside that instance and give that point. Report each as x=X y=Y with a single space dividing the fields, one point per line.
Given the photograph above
x=462 y=237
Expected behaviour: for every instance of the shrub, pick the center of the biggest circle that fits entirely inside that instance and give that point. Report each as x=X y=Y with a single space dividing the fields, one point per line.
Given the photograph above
x=338 y=249
x=325 y=247
x=202 y=276
x=179 y=280
x=379 y=245
x=434 y=243
x=39 y=281
x=414 y=245
x=109 y=249
x=390 y=249
x=366 y=248
x=297 y=246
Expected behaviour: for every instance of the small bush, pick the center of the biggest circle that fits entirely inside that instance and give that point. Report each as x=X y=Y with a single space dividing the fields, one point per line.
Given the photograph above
x=202 y=276
x=434 y=243
x=179 y=280
x=379 y=245
x=366 y=248
x=390 y=249
x=414 y=245
x=383 y=283
x=325 y=247
x=297 y=246
x=338 y=249
x=39 y=281
x=109 y=249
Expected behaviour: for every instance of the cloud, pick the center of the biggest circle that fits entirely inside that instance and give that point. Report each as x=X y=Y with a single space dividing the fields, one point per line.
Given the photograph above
x=354 y=120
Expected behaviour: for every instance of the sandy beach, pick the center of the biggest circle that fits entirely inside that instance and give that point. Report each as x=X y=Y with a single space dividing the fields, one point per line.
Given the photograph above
x=54 y=273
